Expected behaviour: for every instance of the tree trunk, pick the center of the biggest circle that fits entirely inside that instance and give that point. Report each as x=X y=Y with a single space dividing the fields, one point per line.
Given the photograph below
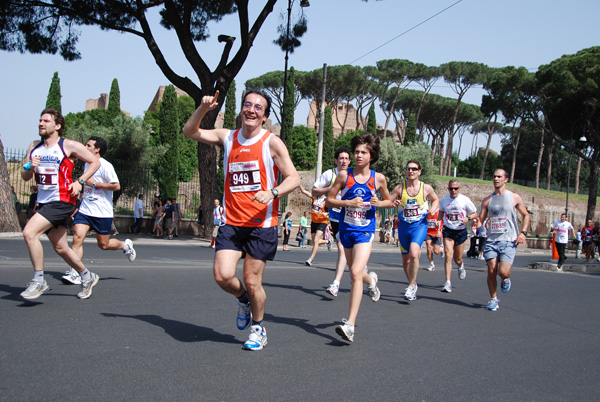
x=549 y=171
x=441 y=153
x=8 y=214
x=485 y=155
x=515 y=145
x=207 y=167
x=577 y=175
x=539 y=160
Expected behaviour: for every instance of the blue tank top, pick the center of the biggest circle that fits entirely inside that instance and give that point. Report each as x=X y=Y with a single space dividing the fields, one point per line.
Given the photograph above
x=358 y=219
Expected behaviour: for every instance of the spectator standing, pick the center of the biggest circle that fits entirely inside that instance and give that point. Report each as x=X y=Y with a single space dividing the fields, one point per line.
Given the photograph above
x=138 y=215
x=287 y=229
x=303 y=229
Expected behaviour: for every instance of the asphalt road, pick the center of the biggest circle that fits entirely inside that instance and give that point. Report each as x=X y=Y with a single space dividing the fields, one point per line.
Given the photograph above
x=161 y=329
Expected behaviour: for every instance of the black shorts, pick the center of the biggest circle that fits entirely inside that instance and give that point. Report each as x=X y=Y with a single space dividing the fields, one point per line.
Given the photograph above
x=260 y=243
x=317 y=226
x=58 y=213
x=434 y=239
x=482 y=241
x=459 y=236
x=335 y=228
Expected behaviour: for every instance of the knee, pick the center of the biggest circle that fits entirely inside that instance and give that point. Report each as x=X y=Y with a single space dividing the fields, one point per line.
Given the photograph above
x=103 y=246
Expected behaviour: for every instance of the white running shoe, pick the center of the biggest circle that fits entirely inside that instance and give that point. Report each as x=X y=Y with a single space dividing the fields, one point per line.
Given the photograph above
x=86 y=287
x=71 y=277
x=481 y=258
x=462 y=273
x=34 y=290
x=308 y=262
x=431 y=267
x=129 y=250
x=346 y=331
x=447 y=287
x=257 y=339
x=374 y=292
x=333 y=289
x=411 y=293
x=329 y=243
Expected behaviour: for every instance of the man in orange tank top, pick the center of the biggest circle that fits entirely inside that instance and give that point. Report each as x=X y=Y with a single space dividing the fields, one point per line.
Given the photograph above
x=253 y=157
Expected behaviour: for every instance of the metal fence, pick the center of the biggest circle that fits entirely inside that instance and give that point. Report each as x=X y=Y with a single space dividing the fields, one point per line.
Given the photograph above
x=134 y=181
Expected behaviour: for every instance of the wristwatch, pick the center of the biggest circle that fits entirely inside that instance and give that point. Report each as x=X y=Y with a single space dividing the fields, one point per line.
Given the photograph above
x=80 y=181
x=524 y=233
x=94 y=185
x=275 y=193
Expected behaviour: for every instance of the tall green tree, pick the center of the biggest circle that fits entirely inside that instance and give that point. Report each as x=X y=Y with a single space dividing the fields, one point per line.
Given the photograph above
x=303 y=147
x=328 y=160
x=230 y=108
x=410 y=135
x=372 y=120
x=54 y=97
x=289 y=106
x=166 y=167
x=114 y=100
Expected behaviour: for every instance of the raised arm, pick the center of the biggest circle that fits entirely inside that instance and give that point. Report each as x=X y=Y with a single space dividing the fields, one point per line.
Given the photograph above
x=192 y=126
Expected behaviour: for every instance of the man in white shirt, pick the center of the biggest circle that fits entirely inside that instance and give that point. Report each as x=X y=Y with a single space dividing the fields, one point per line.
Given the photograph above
x=96 y=210
x=562 y=228
x=457 y=210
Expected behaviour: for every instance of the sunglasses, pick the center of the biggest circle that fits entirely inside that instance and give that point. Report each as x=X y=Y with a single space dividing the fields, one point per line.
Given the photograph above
x=414 y=169
x=453 y=188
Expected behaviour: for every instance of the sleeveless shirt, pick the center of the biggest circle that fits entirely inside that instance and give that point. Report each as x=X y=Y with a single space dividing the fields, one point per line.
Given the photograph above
x=503 y=218
x=412 y=208
x=54 y=175
x=358 y=219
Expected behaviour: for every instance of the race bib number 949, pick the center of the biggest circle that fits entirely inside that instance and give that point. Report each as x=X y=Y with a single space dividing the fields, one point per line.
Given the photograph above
x=244 y=176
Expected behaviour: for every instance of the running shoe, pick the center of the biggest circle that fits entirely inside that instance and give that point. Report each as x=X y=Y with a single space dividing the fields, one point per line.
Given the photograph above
x=34 y=290
x=257 y=339
x=346 y=331
x=129 y=250
x=411 y=293
x=329 y=244
x=308 y=262
x=374 y=292
x=447 y=287
x=481 y=258
x=333 y=289
x=71 y=277
x=244 y=315
x=462 y=273
x=86 y=287
x=493 y=304
x=431 y=267
x=505 y=285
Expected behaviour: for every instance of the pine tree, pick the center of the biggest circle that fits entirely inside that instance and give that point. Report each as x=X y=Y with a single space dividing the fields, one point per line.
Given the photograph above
x=328 y=161
x=114 y=100
x=230 y=108
x=53 y=99
x=372 y=120
x=288 y=123
x=169 y=136
x=410 y=135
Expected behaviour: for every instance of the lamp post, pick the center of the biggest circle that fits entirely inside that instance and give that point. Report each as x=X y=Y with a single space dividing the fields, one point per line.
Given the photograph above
x=303 y=4
x=582 y=139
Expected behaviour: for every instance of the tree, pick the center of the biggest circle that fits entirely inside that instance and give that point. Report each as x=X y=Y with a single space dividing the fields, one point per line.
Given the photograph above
x=288 y=106
x=328 y=161
x=166 y=167
x=9 y=221
x=372 y=120
x=54 y=96
x=410 y=136
x=230 y=108
x=114 y=100
x=303 y=147
x=48 y=27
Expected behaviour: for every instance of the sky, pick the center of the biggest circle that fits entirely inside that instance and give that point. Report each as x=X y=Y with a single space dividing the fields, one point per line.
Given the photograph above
x=526 y=33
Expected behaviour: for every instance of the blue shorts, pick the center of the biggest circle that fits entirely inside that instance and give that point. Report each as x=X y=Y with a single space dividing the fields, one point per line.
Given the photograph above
x=100 y=225
x=260 y=243
x=459 y=236
x=503 y=250
x=411 y=233
x=350 y=238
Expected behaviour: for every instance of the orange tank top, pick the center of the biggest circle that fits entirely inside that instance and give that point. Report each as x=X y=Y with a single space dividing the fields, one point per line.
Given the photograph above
x=249 y=168
x=318 y=213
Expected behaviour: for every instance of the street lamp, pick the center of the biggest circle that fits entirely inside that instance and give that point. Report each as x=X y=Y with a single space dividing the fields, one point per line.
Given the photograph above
x=303 y=4
x=582 y=140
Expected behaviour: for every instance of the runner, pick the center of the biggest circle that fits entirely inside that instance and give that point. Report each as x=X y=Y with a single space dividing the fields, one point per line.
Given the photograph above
x=562 y=228
x=588 y=244
x=433 y=240
x=358 y=187
x=457 y=210
x=503 y=237
x=318 y=224
x=252 y=159
x=96 y=210
x=51 y=160
x=412 y=224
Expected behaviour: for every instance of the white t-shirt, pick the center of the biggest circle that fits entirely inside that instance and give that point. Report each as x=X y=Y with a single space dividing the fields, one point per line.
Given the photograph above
x=562 y=231
x=325 y=180
x=98 y=202
x=455 y=209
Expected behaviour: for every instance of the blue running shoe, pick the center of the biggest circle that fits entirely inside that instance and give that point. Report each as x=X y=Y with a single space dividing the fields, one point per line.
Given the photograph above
x=244 y=315
x=257 y=339
x=493 y=304
x=505 y=285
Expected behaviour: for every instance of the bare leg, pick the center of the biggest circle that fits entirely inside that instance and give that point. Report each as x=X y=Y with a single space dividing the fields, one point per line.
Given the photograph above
x=357 y=258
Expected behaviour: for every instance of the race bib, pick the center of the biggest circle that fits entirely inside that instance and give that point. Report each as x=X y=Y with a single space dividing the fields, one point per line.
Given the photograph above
x=432 y=223
x=453 y=216
x=244 y=176
x=411 y=211
x=498 y=225
x=46 y=177
x=358 y=216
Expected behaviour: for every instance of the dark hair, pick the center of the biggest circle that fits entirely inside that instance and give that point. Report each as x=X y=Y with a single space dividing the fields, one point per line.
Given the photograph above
x=140 y=196
x=99 y=143
x=371 y=141
x=415 y=162
x=342 y=150
x=262 y=93
x=58 y=119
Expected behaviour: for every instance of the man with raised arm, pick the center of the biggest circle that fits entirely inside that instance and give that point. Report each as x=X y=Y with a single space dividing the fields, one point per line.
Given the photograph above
x=253 y=157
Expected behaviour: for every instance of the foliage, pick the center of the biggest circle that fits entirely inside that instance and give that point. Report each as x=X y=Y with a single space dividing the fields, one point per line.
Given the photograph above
x=393 y=160
x=410 y=135
x=303 y=147
x=230 y=108
x=471 y=166
x=389 y=162
x=54 y=96
x=288 y=111
x=372 y=120
x=114 y=100
x=166 y=167
x=328 y=161
x=345 y=139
